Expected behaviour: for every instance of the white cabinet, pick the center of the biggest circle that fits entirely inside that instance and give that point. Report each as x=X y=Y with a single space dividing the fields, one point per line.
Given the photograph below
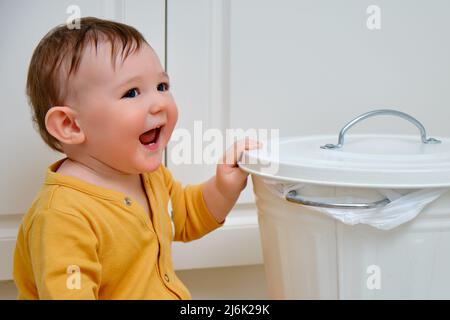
x=24 y=157
x=198 y=53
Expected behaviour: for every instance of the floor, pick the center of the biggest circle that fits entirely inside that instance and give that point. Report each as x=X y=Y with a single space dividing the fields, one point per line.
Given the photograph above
x=243 y=282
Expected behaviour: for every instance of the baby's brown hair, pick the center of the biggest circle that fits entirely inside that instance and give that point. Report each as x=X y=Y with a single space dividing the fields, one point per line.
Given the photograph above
x=59 y=54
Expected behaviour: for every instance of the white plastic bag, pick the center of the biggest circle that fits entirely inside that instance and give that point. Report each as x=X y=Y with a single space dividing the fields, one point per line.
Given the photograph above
x=402 y=208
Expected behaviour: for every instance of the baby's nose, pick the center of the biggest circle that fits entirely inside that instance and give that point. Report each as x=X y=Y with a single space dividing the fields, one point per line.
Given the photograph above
x=157 y=105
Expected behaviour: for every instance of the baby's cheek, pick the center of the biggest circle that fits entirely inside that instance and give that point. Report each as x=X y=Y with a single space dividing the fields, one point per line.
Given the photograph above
x=172 y=119
x=174 y=112
x=174 y=116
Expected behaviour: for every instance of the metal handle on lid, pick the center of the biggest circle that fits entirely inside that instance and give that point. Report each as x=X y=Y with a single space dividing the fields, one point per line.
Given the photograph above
x=403 y=115
x=292 y=196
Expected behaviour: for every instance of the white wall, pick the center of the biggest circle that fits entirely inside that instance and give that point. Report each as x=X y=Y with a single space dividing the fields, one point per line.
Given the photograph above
x=309 y=66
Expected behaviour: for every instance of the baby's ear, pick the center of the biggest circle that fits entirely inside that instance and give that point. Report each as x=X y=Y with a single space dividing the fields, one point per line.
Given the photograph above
x=61 y=123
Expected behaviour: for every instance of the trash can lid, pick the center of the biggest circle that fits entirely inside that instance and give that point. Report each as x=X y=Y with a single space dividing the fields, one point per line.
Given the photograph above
x=383 y=161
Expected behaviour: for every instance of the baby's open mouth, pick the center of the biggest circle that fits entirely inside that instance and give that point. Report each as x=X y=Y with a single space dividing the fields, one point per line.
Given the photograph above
x=150 y=136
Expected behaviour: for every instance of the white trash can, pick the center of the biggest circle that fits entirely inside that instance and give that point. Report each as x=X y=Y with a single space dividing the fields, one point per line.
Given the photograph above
x=366 y=219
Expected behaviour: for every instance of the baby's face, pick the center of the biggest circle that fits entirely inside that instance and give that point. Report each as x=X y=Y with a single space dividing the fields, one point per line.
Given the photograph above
x=116 y=107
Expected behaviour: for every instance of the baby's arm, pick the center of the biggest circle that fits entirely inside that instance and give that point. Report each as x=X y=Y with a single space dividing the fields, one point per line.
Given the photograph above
x=199 y=209
x=222 y=190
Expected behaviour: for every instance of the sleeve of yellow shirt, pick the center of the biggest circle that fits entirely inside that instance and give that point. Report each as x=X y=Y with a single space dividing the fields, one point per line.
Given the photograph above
x=191 y=217
x=64 y=256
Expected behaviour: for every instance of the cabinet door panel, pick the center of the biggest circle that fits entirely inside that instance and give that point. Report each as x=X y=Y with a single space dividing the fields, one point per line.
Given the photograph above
x=24 y=157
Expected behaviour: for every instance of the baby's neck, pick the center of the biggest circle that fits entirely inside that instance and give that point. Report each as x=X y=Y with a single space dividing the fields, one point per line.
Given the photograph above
x=98 y=173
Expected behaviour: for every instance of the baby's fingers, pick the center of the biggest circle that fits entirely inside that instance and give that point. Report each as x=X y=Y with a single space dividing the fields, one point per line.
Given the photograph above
x=234 y=153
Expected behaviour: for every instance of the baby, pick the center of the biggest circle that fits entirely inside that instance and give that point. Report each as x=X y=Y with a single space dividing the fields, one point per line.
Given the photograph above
x=101 y=225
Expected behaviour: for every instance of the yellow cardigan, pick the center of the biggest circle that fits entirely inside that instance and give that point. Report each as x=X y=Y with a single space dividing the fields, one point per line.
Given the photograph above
x=82 y=241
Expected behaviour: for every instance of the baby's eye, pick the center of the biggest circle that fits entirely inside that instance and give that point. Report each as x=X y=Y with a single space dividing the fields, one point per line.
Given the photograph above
x=163 y=86
x=132 y=93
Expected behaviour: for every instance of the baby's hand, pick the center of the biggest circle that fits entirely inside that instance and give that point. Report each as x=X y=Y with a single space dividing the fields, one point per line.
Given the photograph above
x=230 y=179
x=222 y=190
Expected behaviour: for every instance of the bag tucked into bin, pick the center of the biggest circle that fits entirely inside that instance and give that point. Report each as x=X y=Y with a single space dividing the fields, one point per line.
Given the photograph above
x=403 y=206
